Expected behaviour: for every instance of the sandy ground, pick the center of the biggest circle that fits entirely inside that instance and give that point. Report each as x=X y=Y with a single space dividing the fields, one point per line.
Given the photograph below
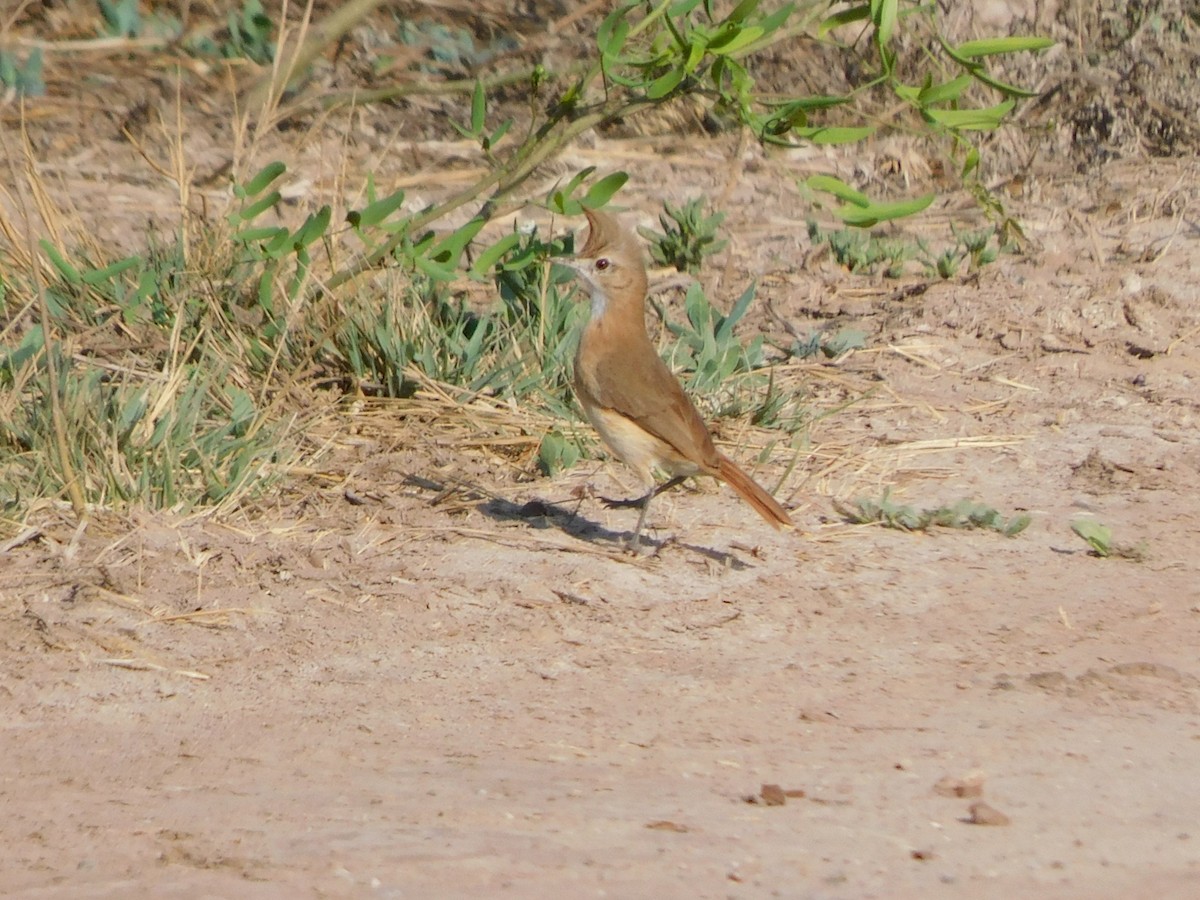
x=440 y=689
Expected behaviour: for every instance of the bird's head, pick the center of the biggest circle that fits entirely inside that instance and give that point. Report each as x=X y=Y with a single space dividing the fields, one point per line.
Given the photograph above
x=610 y=263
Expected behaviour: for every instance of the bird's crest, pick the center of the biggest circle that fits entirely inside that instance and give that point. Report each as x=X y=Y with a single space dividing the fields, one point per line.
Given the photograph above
x=605 y=234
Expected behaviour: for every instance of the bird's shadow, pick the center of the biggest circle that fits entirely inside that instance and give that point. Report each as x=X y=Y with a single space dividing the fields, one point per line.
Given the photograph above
x=543 y=514
x=566 y=518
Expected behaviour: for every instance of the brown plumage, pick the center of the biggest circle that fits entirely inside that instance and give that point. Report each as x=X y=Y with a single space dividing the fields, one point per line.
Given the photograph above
x=627 y=391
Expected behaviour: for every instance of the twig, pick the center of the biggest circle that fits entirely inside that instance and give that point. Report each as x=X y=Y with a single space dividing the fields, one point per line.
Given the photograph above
x=142 y=665
x=29 y=534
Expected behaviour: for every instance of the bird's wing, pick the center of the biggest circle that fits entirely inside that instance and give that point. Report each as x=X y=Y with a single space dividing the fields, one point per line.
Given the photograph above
x=640 y=387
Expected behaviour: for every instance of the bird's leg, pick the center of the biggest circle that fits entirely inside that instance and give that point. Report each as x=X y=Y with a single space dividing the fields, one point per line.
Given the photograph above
x=643 y=501
x=634 y=542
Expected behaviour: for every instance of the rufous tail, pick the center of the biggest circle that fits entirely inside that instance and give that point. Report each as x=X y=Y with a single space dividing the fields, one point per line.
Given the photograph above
x=747 y=488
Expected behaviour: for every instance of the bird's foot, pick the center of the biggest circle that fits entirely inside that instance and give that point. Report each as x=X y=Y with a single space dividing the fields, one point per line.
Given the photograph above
x=643 y=546
x=628 y=503
x=640 y=502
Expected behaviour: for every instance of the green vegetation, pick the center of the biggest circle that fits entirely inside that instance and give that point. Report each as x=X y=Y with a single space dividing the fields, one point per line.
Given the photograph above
x=173 y=377
x=23 y=77
x=122 y=18
x=249 y=35
x=963 y=514
x=866 y=253
x=1100 y=539
x=706 y=346
x=687 y=237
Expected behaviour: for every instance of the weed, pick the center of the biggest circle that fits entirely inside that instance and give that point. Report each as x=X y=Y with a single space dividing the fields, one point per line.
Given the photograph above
x=963 y=514
x=177 y=433
x=450 y=49
x=557 y=453
x=863 y=252
x=688 y=236
x=25 y=78
x=829 y=345
x=1100 y=539
x=706 y=346
x=247 y=36
x=866 y=253
x=122 y=18
x=250 y=34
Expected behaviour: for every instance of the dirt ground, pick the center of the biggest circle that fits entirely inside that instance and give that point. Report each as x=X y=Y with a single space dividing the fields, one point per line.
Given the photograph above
x=402 y=678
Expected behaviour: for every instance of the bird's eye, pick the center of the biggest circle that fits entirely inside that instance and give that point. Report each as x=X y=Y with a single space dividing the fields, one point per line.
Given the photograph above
x=602 y=264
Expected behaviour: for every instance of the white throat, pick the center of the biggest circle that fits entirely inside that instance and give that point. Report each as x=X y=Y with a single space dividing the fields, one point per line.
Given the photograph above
x=599 y=302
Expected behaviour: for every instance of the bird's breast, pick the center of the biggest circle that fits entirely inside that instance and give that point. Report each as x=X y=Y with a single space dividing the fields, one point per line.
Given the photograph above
x=636 y=447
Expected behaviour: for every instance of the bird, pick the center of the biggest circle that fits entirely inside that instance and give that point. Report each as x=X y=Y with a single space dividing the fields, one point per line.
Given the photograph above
x=627 y=392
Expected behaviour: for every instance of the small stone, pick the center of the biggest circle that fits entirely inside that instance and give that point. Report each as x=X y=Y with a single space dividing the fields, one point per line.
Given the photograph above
x=773 y=795
x=969 y=785
x=666 y=825
x=981 y=813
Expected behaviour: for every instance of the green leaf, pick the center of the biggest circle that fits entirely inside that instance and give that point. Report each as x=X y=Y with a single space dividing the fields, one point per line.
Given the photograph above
x=741 y=11
x=131 y=413
x=993 y=46
x=1097 y=536
x=494 y=138
x=1016 y=525
x=970 y=119
x=775 y=20
x=844 y=17
x=560 y=198
x=830 y=185
x=242 y=411
x=943 y=93
x=254 y=210
x=977 y=72
x=256 y=235
x=486 y=261
x=276 y=246
x=971 y=163
x=830 y=135
x=817 y=101
x=560 y=202
x=99 y=276
x=314 y=227
x=664 y=84
x=478 y=108
x=265 y=176
x=377 y=211
x=450 y=248
x=433 y=270
x=883 y=14
x=724 y=332
x=874 y=213
x=69 y=273
x=1010 y=90
x=602 y=191
x=611 y=35
x=556 y=453
x=844 y=341
x=30 y=346
x=734 y=39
